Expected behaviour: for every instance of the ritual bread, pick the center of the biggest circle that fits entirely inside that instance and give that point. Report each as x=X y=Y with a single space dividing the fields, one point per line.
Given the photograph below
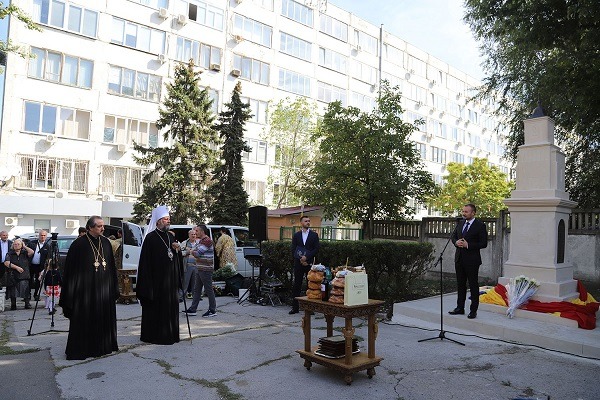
x=339 y=282
x=337 y=291
x=315 y=276
x=336 y=299
x=314 y=285
x=313 y=294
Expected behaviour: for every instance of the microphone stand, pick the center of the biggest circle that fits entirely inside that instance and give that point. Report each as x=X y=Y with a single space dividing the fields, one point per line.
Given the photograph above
x=442 y=334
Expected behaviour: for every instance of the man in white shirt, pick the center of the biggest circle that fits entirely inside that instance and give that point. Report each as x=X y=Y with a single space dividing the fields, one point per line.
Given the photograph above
x=40 y=248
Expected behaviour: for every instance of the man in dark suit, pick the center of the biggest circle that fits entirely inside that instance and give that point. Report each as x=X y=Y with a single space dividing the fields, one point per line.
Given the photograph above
x=305 y=245
x=41 y=248
x=470 y=236
x=5 y=246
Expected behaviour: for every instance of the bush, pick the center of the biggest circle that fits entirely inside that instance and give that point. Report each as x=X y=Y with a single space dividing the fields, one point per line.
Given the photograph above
x=392 y=266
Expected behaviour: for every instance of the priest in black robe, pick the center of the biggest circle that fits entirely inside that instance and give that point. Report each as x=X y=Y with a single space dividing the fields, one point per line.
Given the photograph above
x=158 y=281
x=88 y=295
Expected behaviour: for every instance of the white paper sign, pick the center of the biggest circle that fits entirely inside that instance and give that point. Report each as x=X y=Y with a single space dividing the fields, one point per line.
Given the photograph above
x=356 y=290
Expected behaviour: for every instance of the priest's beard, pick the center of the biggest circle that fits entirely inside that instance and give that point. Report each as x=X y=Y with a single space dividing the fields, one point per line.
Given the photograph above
x=164 y=228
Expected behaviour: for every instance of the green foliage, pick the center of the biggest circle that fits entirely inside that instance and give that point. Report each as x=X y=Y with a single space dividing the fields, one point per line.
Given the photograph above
x=546 y=50
x=181 y=169
x=478 y=183
x=367 y=166
x=229 y=200
x=19 y=14
x=291 y=125
x=392 y=266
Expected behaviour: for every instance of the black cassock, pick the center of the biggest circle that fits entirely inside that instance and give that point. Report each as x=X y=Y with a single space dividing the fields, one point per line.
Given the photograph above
x=88 y=297
x=157 y=283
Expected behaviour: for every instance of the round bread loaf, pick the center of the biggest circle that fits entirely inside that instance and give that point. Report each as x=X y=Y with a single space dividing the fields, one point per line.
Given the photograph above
x=313 y=294
x=314 y=285
x=336 y=299
x=315 y=276
x=337 y=291
x=339 y=282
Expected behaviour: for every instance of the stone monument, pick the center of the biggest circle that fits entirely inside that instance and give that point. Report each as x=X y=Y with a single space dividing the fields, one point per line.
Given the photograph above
x=539 y=214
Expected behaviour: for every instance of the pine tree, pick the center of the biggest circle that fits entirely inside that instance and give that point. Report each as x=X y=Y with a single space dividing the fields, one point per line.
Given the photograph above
x=229 y=199
x=181 y=169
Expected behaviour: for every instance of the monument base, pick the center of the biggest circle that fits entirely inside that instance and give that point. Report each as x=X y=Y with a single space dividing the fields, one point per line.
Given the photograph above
x=556 y=284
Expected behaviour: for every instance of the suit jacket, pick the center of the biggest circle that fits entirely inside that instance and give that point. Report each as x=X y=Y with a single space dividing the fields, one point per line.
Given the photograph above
x=9 y=248
x=44 y=250
x=309 y=249
x=477 y=238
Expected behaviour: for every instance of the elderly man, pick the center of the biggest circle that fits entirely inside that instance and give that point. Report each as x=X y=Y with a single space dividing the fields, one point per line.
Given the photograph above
x=158 y=281
x=40 y=248
x=5 y=246
x=89 y=292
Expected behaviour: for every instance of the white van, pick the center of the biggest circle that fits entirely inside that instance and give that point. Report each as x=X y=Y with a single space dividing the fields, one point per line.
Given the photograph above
x=133 y=235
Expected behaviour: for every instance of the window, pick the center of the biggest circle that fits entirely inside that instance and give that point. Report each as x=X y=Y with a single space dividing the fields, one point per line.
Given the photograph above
x=136 y=36
x=203 y=54
x=252 y=30
x=256 y=191
x=64 y=15
x=392 y=79
x=214 y=96
x=298 y=12
x=121 y=180
x=458 y=135
x=54 y=120
x=294 y=82
x=153 y=3
x=329 y=93
x=416 y=93
x=393 y=54
x=457 y=157
x=41 y=224
x=120 y=130
x=364 y=72
x=455 y=84
x=295 y=46
x=251 y=69
x=258 y=152
x=366 y=42
x=52 y=173
x=417 y=66
x=364 y=102
x=412 y=118
x=438 y=128
x=202 y=13
x=422 y=150
x=132 y=83
x=438 y=155
x=61 y=68
x=258 y=108
x=473 y=116
x=332 y=60
x=333 y=27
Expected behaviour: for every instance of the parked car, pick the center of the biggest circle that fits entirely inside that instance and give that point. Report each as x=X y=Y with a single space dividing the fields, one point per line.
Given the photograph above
x=63 y=243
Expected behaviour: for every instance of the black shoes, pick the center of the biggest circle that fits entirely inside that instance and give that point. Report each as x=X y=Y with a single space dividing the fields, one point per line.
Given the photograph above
x=27 y=305
x=292 y=311
x=457 y=311
x=472 y=315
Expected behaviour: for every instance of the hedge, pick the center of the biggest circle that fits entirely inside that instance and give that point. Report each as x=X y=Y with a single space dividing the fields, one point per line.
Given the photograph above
x=392 y=266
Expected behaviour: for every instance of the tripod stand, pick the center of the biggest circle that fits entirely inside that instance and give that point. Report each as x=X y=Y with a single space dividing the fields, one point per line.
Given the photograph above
x=255 y=259
x=52 y=263
x=442 y=334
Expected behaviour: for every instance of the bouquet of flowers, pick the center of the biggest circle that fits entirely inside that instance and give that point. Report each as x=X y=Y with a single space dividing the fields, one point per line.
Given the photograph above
x=519 y=291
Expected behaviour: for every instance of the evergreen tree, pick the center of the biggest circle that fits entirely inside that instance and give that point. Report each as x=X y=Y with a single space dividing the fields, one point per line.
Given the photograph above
x=229 y=199
x=181 y=169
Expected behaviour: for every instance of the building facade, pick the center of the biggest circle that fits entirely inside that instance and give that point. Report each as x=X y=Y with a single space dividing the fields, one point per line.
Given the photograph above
x=70 y=114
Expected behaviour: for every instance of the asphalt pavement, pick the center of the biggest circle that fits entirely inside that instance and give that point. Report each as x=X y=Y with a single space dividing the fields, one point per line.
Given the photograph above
x=248 y=351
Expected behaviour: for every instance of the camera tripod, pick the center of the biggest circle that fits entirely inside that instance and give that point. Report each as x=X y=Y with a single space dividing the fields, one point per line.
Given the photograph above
x=52 y=263
x=255 y=259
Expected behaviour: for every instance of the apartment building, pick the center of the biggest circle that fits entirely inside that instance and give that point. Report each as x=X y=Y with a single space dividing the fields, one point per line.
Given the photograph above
x=71 y=113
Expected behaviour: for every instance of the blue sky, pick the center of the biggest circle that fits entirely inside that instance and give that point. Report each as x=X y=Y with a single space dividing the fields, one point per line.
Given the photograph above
x=434 y=26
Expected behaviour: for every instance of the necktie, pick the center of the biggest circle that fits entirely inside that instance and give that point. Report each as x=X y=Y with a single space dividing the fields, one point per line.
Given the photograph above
x=465 y=228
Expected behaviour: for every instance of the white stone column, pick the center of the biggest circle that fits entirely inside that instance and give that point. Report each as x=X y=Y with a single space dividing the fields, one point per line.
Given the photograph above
x=539 y=215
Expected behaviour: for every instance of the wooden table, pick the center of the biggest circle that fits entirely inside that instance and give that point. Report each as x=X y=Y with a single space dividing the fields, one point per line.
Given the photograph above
x=350 y=363
x=126 y=293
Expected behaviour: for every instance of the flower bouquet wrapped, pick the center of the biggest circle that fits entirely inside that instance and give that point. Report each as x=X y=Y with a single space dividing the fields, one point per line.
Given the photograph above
x=519 y=291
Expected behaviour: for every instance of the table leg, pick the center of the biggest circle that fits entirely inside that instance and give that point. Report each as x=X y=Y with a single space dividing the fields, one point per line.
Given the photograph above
x=348 y=379
x=329 y=320
x=372 y=335
x=306 y=329
x=348 y=332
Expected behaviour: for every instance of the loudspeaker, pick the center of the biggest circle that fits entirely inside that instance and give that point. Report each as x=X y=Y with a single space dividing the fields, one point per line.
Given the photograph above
x=257 y=223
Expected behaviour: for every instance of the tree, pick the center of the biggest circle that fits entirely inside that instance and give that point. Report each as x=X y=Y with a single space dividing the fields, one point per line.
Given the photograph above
x=291 y=125
x=181 y=169
x=548 y=51
x=478 y=183
x=367 y=167
x=229 y=199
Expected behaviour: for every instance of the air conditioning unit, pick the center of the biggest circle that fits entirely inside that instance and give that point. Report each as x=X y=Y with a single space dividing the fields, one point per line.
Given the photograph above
x=373 y=87
x=182 y=19
x=357 y=47
x=60 y=194
x=127 y=199
x=442 y=113
x=432 y=82
x=458 y=95
x=71 y=223
x=236 y=72
x=108 y=197
x=429 y=136
x=50 y=138
x=163 y=13
x=161 y=58
x=238 y=38
x=418 y=104
x=122 y=148
x=11 y=221
x=215 y=67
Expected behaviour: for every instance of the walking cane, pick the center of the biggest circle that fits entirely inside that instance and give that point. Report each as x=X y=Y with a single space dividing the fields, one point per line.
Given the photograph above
x=187 y=317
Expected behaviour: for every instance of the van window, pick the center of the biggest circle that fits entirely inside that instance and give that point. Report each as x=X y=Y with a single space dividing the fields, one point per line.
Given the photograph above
x=242 y=238
x=131 y=237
